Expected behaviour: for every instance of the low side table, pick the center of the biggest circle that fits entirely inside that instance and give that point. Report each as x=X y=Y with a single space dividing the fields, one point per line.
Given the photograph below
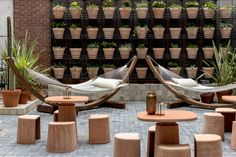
x=229 y=116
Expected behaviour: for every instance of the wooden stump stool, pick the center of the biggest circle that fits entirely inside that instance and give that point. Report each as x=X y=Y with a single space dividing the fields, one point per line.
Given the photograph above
x=126 y=145
x=207 y=145
x=61 y=137
x=55 y=116
x=213 y=123
x=99 y=129
x=233 y=137
x=151 y=141
x=229 y=117
x=174 y=150
x=28 y=129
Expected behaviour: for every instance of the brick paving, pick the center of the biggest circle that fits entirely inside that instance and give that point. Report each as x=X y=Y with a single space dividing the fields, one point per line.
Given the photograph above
x=120 y=121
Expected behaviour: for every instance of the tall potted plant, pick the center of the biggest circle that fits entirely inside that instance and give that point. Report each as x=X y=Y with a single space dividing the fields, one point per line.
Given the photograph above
x=58 y=29
x=108 y=49
x=58 y=11
x=92 y=50
x=108 y=8
x=141 y=50
x=125 y=9
x=75 y=31
x=124 y=31
x=209 y=8
x=158 y=8
x=175 y=11
x=125 y=50
x=192 y=9
x=92 y=10
x=75 y=9
x=225 y=30
x=142 y=8
x=158 y=31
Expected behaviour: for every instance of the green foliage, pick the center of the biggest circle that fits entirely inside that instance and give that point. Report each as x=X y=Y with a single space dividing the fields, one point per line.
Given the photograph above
x=227 y=6
x=141 y=45
x=59 y=65
x=93 y=45
x=107 y=3
x=158 y=26
x=193 y=3
x=108 y=44
x=56 y=24
x=108 y=66
x=173 y=64
x=159 y=4
x=92 y=5
x=225 y=25
x=126 y=45
x=210 y=5
x=208 y=25
x=124 y=26
x=125 y=4
x=192 y=46
x=74 y=25
x=75 y=4
x=142 y=4
x=57 y=5
x=174 y=5
x=192 y=24
x=173 y=45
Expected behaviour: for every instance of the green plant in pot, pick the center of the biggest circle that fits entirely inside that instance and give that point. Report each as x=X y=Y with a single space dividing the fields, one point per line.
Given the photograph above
x=58 y=10
x=175 y=10
x=125 y=50
x=192 y=30
x=174 y=67
x=158 y=8
x=124 y=31
x=108 y=49
x=125 y=9
x=58 y=29
x=92 y=10
x=92 y=50
x=141 y=31
x=108 y=8
x=192 y=8
x=225 y=30
x=226 y=10
x=107 y=69
x=142 y=8
x=209 y=8
x=75 y=9
x=141 y=50
x=75 y=31
x=59 y=70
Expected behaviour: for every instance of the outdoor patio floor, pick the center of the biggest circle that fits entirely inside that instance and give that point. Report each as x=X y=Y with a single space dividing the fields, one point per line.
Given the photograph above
x=120 y=121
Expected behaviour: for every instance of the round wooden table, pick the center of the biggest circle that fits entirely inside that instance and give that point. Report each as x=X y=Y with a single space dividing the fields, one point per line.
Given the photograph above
x=167 y=130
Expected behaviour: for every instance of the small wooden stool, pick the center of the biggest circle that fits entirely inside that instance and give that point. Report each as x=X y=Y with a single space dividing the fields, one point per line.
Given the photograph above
x=28 y=129
x=233 y=137
x=174 y=150
x=61 y=137
x=126 y=145
x=207 y=145
x=213 y=123
x=55 y=116
x=99 y=129
x=229 y=115
x=151 y=141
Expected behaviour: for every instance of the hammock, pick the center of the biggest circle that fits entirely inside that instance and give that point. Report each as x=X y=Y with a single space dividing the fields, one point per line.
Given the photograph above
x=167 y=78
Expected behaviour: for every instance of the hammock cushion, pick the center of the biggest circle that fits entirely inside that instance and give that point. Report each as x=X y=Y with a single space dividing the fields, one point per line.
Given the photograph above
x=187 y=82
x=106 y=83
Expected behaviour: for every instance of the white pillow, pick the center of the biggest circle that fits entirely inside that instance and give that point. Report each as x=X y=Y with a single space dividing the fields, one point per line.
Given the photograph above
x=106 y=83
x=185 y=82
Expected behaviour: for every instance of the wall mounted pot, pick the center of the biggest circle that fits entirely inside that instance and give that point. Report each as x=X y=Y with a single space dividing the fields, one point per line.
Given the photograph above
x=75 y=53
x=58 y=33
x=75 y=33
x=225 y=12
x=192 y=53
x=109 y=12
x=175 y=33
x=158 y=32
x=158 y=52
x=141 y=13
x=58 y=12
x=175 y=70
x=75 y=72
x=92 y=13
x=125 y=12
x=59 y=73
x=124 y=52
x=141 y=52
x=191 y=72
x=208 y=52
x=92 y=53
x=158 y=12
x=175 y=13
x=175 y=53
x=208 y=71
x=208 y=13
x=106 y=72
x=58 y=52
x=75 y=13
x=208 y=32
x=192 y=32
x=92 y=72
x=141 y=71
x=141 y=33
x=108 y=53
x=225 y=32
x=108 y=32
x=192 y=12
x=124 y=33
x=92 y=33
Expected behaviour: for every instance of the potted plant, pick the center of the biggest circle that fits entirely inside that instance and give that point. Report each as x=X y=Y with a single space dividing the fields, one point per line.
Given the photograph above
x=92 y=70
x=75 y=72
x=141 y=51
x=174 y=67
x=75 y=31
x=58 y=52
x=108 y=49
x=142 y=8
x=192 y=30
x=125 y=50
x=208 y=52
x=141 y=71
x=141 y=31
x=191 y=71
x=58 y=29
x=209 y=8
x=192 y=51
x=108 y=32
x=175 y=32
x=108 y=9
x=158 y=8
x=59 y=70
x=58 y=11
x=92 y=10
x=158 y=31
x=92 y=32
x=192 y=9
x=175 y=10
x=107 y=68
x=158 y=52
x=75 y=52
x=75 y=9
x=174 y=51
x=125 y=9
x=225 y=30
x=124 y=31
x=208 y=31
x=92 y=50
x=226 y=10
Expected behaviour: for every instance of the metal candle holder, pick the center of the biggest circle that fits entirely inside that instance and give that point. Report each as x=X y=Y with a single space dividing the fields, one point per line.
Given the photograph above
x=67 y=94
x=160 y=108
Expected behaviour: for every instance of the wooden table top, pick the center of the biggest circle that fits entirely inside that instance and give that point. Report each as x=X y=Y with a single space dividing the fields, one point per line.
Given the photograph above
x=61 y=99
x=225 y=110
x=170 y=116
x=229 y=98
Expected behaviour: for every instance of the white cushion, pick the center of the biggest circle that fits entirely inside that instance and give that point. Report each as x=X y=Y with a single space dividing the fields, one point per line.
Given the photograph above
x=106 y=83
x=185 y=82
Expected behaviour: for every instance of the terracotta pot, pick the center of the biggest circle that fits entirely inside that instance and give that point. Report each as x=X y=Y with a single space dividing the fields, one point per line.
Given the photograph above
x=75 y=13
x=124 y=33
x=58 y=33
x=58 y=12
x=31 y=97
x=158 y=52
x=192 y=53
x=175 y=13
x=208 y=52
x=92 y=53
x=124 y=53
x=24 y=95
x=192 y=12
x=175 y=33
x=92 y=13
x=208 y=71
x=208 y=32
x=192 y=32
x=92 y=33
x=175 y=70
x=208 y=13
x=58 y=52
x=225 y=13
x=225 y=33
x=158 y=12
x=108 y=53
x=109 y=12
x=223 y=93
x=125 y=12
x=75 y=53
x=59 y=72
x=106 y=72
x=191 y=71
x=175 y=53
x=75 y=72
x=108 y=32
x=141 y=52
x=207 y=97
x=141 y=13
x=92 y=71
x=75 y=33
x=141 y=71
x=158 y=32
x=11 y=98
x=141 y=33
